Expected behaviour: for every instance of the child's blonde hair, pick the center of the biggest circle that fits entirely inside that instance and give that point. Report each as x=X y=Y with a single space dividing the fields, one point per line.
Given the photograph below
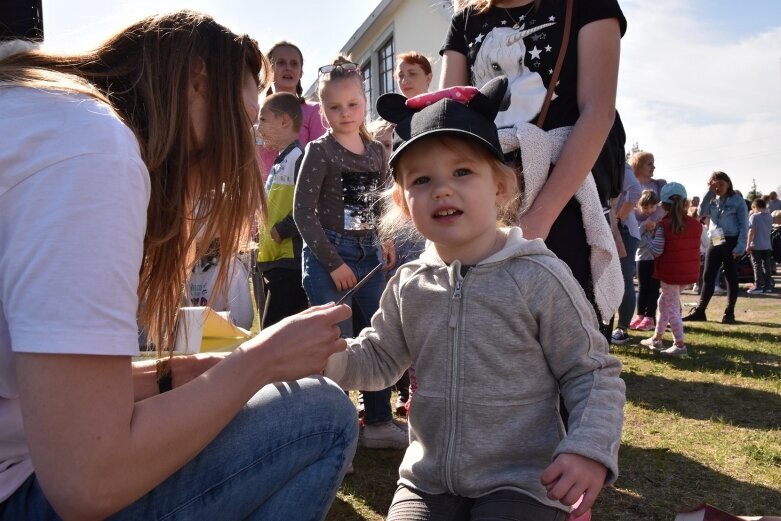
x=395 y=221
x=340 y=75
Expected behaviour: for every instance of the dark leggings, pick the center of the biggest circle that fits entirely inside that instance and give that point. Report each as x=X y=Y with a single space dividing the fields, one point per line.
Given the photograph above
x=567 y=240
x=647 y=289
x=412 y=505
x=717 y=256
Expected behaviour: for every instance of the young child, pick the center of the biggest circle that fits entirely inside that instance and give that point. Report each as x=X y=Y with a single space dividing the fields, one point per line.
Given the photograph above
x=760 y=224
x=279 y=243
x=479 y=316
x=341 y=177
x=647 y=285
x=676 y=248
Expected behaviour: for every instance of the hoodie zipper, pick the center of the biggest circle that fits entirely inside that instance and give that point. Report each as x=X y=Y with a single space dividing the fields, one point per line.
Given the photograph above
x=455 y=323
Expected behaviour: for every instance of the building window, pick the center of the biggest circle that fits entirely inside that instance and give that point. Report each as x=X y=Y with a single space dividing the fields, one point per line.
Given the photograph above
x=385 y=69
x=366 y=71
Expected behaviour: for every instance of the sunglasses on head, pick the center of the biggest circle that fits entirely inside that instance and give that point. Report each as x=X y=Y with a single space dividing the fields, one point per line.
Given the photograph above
x=347 y=67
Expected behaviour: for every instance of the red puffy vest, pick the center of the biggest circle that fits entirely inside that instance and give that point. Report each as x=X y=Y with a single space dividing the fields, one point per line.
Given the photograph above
x=679 y=263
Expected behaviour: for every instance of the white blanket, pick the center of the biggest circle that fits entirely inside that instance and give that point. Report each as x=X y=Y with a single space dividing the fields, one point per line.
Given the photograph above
x=540 y=149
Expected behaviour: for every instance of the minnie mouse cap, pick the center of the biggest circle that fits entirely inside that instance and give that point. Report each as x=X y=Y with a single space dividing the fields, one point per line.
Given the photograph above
x=460 y=111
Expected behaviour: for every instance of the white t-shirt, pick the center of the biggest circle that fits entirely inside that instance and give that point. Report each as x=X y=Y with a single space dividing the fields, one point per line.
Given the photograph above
x=73 y=200
x=236 y=298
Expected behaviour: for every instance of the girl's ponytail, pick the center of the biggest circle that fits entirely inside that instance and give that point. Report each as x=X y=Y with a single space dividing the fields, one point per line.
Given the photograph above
x=677 y=213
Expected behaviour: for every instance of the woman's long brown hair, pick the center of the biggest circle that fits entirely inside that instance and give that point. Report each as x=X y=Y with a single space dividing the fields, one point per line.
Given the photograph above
x=143 y=72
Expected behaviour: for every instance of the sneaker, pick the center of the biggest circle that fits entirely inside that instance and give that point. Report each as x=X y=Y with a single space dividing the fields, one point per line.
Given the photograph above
x=718 y=290
x=652 y=344
x=647 y=324
x=386 y=435
x=401 y=406
x=728 y=318
x=754 y=290
x=635 y=321
x=676 y=350
x=696 y=289
x=695 y=315
x=619 y=337
x=767 y=290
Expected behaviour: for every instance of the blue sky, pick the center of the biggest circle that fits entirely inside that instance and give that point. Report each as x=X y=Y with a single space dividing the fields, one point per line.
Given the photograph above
x=699 y=86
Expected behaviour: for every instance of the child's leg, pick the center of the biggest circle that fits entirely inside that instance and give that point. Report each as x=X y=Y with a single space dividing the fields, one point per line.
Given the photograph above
x=365 y=302
x=320 y=287
x=513 y=506
x=644 y=270
x=284 y=295
x=666 y=305
x=676 y=322
x=412 y=505
x=759 y=274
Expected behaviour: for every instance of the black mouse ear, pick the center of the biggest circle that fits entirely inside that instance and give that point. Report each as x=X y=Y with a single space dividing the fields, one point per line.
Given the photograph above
x=489 y=99
x=391 y=107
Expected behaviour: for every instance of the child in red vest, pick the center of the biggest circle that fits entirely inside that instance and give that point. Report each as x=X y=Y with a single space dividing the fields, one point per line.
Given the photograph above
x=676 y=248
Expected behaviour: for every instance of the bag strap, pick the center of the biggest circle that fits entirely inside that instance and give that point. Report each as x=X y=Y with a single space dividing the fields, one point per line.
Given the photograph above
x=559 y=62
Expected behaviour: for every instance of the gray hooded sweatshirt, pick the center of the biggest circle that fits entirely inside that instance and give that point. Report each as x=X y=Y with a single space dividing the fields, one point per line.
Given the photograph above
x=492 y=351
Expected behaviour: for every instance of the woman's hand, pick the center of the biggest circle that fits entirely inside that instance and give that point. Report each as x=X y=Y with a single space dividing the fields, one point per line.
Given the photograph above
x=534 y=228
x=344 y=278
x=275 y=235
x=300 y=345
x=571 y=476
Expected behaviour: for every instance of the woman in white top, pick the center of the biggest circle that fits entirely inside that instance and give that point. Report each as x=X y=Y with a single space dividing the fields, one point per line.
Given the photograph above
x=104 y=156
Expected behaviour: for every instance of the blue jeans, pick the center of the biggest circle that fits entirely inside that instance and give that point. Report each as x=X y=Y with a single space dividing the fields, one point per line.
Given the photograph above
x=361 y=254
x=282 y=457
x=627 y=306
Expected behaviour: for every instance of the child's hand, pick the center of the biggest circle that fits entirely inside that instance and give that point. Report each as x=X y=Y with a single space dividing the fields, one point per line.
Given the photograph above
x=649 y=225
x=571 y=476
x=343 y=277
x=389 y=254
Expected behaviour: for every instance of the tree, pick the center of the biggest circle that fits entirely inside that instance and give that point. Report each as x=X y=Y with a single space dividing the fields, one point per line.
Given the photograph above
x=754 y=193
x=635 y=148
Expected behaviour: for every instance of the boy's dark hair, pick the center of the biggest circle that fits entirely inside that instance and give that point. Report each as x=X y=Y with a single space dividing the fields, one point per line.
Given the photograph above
x=287 y=104
x=760 y=203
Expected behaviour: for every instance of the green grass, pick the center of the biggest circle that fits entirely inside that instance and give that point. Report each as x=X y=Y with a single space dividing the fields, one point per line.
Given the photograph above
x=706 y=428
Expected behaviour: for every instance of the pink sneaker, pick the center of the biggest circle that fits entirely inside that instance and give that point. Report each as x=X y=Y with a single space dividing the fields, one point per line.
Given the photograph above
x=647 y=324
x=636 y=321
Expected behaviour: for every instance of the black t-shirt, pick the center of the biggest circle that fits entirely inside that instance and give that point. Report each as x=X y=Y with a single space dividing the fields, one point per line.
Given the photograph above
x=527 y=54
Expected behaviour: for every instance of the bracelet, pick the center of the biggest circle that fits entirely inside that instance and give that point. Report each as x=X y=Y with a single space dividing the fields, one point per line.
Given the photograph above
x=164 y=380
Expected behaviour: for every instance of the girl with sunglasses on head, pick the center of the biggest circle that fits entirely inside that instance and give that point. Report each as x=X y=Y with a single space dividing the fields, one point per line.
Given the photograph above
x=287 y=66
x=111 y=152
x=335 y=209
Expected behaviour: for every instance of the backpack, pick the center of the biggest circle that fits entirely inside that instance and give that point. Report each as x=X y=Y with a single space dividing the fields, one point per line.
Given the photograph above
x=608 y=171
x=775 y=242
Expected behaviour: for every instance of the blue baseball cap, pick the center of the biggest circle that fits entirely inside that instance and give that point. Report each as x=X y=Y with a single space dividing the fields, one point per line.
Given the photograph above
x=671 y=190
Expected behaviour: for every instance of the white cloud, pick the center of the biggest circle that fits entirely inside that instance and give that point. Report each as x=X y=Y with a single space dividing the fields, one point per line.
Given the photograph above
x=700 y=98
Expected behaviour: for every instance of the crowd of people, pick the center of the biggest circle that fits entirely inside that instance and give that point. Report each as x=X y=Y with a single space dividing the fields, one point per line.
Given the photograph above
x=495 y=206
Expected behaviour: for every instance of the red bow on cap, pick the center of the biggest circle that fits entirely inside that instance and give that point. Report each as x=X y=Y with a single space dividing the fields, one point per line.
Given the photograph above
x=461 y=94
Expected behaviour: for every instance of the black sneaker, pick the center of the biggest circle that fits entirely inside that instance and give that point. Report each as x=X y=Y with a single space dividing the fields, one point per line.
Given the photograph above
x=619 y=337
x=695 y=315
x=728 y=318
